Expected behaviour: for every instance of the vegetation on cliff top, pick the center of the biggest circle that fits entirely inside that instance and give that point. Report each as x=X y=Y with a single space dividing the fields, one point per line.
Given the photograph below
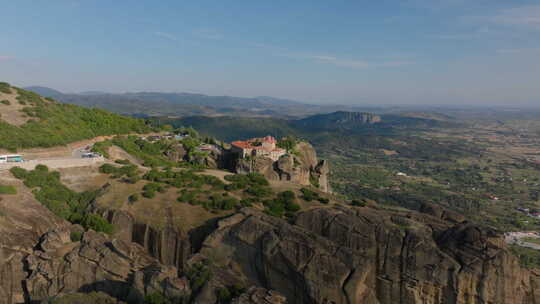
x=53 y=123
x=62 y=201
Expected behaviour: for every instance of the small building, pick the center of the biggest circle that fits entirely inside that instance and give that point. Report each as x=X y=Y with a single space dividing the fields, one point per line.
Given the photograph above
x=265 y=147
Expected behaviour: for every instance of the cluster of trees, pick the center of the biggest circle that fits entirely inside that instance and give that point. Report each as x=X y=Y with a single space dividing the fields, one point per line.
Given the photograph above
x=309 y=195
x=283 y=205
x=55 y=124
x=62 y=201
x=129 y=172
x=151 y=153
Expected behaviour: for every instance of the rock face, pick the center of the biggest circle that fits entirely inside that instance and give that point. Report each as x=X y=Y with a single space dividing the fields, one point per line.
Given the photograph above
x=340 y=255
x=171 y=246
x=38 y=260
x=340 y=120
x=176 y=153
x=96 y=263
x=302 y=167
x=260 y=296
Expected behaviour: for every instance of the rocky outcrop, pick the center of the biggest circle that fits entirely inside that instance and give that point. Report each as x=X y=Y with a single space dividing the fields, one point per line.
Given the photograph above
x=259 y=295
x=337 y=120
x=176 y=153
x=301 y=167
x=96 y=264
x=170 y=245
x=363 y=255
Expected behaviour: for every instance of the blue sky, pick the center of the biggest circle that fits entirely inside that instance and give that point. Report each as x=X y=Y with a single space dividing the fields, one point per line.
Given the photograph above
x=356 y=52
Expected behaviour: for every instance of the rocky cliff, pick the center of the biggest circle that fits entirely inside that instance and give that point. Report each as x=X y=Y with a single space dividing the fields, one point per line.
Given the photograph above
x=341 y=255
x=37 y=267
x=301 y=167
x=337 y=120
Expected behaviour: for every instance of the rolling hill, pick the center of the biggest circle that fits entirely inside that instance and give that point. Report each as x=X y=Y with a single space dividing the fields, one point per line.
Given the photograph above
x=29 y=120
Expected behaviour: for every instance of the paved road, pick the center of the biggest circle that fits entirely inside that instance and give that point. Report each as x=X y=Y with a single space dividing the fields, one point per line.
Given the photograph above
x=75 y=160
x=516 y=238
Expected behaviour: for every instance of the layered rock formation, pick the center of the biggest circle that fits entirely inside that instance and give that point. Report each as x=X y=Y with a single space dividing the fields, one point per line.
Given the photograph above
x=302 y=167
x=120 y=269
x=170 y=245
x=38 y=259
x=340 y=255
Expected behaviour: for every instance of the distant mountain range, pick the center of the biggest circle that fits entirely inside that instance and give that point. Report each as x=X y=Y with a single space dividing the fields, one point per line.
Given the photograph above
x=176 y=105
x=44 y=91
x=146 y=104
x=330 y=125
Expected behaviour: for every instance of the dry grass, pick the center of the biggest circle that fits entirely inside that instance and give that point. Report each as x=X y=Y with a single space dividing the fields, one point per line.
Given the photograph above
x=83 y=178
x=154 y=211
x=12 y=113
x=117 y=153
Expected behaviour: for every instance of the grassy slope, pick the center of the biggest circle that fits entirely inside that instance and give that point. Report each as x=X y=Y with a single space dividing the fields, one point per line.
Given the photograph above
x=53 y=123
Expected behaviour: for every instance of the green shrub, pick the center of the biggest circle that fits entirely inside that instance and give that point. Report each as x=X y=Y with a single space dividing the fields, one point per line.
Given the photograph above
x=6 y=102
x=7 y=190
x=75 y=236
x=243 y=181
x=133 y=198
x=97 y=223
x=198 y=274
x=149 y=194
x=123 y=162
x=259 y=191
x=283 y=204
x=324 y=200
x=309 y=195
x=226 y=294
x=5 y=87
x=287 y=143
x=221 y=203
x=358 y=203
x=314 y=181
x=18 y=172
x=131 y=172
x=155 y=298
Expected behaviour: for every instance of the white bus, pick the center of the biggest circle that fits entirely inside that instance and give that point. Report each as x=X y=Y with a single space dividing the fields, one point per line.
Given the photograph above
x=11 y=158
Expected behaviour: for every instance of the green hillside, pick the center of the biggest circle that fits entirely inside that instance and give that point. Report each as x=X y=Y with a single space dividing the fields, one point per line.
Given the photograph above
x=47 y=122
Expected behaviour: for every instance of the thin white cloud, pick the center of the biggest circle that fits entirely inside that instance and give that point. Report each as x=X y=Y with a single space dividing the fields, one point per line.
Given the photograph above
x=524 y=16
x=517 y=51
x=165 y=35
x=211 y=34
x=350 y=63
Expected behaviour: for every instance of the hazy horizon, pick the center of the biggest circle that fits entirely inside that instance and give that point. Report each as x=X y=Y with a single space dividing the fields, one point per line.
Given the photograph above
x=416 y=52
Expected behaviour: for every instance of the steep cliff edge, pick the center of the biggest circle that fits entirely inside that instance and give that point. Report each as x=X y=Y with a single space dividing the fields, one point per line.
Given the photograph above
x=341 y=255
x=301 y=166
x=43 y=256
